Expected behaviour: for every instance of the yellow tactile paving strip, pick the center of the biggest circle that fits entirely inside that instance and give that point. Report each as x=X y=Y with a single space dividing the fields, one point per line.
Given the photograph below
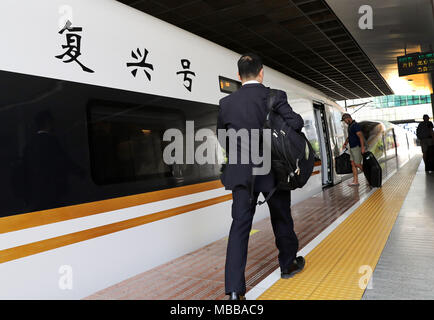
x=333 y=269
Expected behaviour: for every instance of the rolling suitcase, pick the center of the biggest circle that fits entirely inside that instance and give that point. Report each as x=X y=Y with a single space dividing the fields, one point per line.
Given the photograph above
x=343 y=164
x=372 y=170
x=430 y=159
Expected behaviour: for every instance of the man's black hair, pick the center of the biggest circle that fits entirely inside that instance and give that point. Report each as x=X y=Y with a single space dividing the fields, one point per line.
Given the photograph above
x=249 y=65
x=345 y=116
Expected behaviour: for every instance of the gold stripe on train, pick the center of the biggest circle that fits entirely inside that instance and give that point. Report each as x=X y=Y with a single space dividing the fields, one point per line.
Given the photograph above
x=28 y=220
x=72 y=238
x=39 y=218
x=43 y=217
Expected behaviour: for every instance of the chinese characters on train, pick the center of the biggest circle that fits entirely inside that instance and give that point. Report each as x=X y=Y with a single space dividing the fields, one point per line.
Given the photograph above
x=186 y=66
x=73 y=45
x=142 y=64
x=73 y=52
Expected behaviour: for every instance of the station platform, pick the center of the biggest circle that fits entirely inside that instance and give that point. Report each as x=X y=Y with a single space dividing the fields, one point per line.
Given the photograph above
x=342 y=232
x=404 y=271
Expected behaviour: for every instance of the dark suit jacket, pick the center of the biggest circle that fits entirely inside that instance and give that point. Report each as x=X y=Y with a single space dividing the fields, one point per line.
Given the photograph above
x=247 y=108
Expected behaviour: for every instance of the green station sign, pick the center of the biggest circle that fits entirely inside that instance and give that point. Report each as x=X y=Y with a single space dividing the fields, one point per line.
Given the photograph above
x=416 y=63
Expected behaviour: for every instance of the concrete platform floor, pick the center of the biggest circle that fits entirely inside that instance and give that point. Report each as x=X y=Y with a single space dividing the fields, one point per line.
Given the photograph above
x=405 y=268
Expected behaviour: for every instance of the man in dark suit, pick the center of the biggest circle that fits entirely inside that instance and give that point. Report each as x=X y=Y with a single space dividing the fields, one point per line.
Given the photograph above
x=247 y=109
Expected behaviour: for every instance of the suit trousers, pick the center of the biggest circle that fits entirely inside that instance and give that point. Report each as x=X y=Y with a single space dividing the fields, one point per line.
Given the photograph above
x=242 y=217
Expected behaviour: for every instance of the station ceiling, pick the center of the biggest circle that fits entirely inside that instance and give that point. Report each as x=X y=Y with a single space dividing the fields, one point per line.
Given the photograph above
x=398 y=26
x=301 y=38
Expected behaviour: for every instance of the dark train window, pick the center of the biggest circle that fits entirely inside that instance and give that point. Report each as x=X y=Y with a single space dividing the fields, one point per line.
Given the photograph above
x=126 y=141
x=70 y=143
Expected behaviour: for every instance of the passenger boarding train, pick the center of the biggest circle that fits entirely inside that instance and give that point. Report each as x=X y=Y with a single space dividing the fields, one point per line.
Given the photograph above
x=87 y=91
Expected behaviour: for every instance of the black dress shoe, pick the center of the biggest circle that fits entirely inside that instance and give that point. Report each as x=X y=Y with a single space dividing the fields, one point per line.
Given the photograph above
x=236 y=296
x=295 y=268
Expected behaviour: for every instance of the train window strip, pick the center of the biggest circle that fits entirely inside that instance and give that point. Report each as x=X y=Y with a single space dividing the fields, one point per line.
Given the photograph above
x=126 y=142
x=48 y=127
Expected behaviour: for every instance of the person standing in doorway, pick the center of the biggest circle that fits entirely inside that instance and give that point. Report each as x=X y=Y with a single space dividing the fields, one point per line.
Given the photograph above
x=357 y=146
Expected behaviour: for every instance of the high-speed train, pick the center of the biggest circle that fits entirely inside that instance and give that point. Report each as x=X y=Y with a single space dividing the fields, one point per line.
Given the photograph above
x=88 y=90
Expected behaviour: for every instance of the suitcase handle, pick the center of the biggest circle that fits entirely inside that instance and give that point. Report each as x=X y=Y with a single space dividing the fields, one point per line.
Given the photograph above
x=345 y=150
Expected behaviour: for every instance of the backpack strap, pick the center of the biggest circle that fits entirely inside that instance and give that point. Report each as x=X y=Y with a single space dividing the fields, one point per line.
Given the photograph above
x=271 y=98
x=270 y=194
x=252 y=190
x=260 y=203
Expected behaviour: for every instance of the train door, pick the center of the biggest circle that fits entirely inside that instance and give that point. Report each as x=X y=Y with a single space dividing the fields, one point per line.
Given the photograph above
x=324 y=143
x=396 y=143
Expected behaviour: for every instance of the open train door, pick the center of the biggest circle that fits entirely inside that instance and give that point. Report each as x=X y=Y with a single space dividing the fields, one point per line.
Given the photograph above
x=324 y=142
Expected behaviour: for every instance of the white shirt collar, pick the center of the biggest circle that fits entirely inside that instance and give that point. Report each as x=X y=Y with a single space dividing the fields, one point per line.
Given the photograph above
x=250 y=82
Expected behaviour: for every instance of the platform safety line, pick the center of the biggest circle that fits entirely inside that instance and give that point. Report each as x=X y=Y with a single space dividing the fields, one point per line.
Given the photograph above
x=265 y=284
x=341 y=265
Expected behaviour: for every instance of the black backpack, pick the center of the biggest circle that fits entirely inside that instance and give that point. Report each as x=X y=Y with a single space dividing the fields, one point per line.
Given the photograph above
x=292 y=156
